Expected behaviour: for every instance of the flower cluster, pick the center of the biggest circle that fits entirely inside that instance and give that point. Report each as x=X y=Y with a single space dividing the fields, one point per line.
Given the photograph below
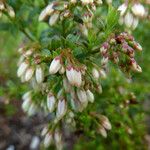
x=4 y=7
x=54 y=12
x=121 y=49
x=29 y=67
x=63 y=85
x=52 y=137
x=66 y=85
x=130 y=15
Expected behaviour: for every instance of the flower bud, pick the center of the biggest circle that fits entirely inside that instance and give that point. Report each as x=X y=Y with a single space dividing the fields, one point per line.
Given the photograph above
x=102 y=131
x=135 y=66
x=55 y=65
x=82 y=96
x=45 y=12
x=2 y=7
x=99 y=89
x=74 y=76
x=51 y=101
x=73 y=1
x=10 y=11
x=102 y=74
x=135 y=23
x=22 y=68
x=104 y=60
x=85 y=2
x=39 y=74
x=95 y=73
x=53 y=19
x=128 y=20
x=61 y=108
x=48 y=140
x=26 y=105
x=62 y=70
x=32 y=110
x=122 y=8
x=29 y=73
x=138 y=10
x=105 y=122
x=138 y=47
x=57 y=137
x=27 y=95
x=90 y=96
x=66 y=85
x=44 y=131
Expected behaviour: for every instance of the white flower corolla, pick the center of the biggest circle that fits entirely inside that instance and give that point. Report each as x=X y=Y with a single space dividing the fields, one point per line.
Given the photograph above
x=39 y=74
x=138 y=10
x=55 y=65
x=22 y=68
x=90 y=96
x=51 y=102
x=53 y=19
x=122 y=9
x=29 y=73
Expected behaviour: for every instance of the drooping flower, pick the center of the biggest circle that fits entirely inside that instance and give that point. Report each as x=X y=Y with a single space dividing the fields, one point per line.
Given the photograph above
x=48 y=140
x=74 y=76
x=54 y=17
x=122 y=8
x=90 y=96
x=22 y=68
x=39 y=74
x=138 y=10
x=55 y=65
x=51 y=101
x=61 y=109
x=29 y=73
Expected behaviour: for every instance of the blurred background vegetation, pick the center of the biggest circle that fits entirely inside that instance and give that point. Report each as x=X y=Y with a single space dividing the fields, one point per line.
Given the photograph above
x=128 y=112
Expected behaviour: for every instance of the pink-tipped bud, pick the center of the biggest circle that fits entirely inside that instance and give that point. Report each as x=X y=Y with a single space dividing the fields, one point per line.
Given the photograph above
x=55 y=65
x=135 y=66
x=104 y=48
x=138 y=47
x=74 y=76
x=51 y=102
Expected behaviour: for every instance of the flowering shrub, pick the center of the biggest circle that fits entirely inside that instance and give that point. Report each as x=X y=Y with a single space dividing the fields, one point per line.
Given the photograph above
x=68 y=57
